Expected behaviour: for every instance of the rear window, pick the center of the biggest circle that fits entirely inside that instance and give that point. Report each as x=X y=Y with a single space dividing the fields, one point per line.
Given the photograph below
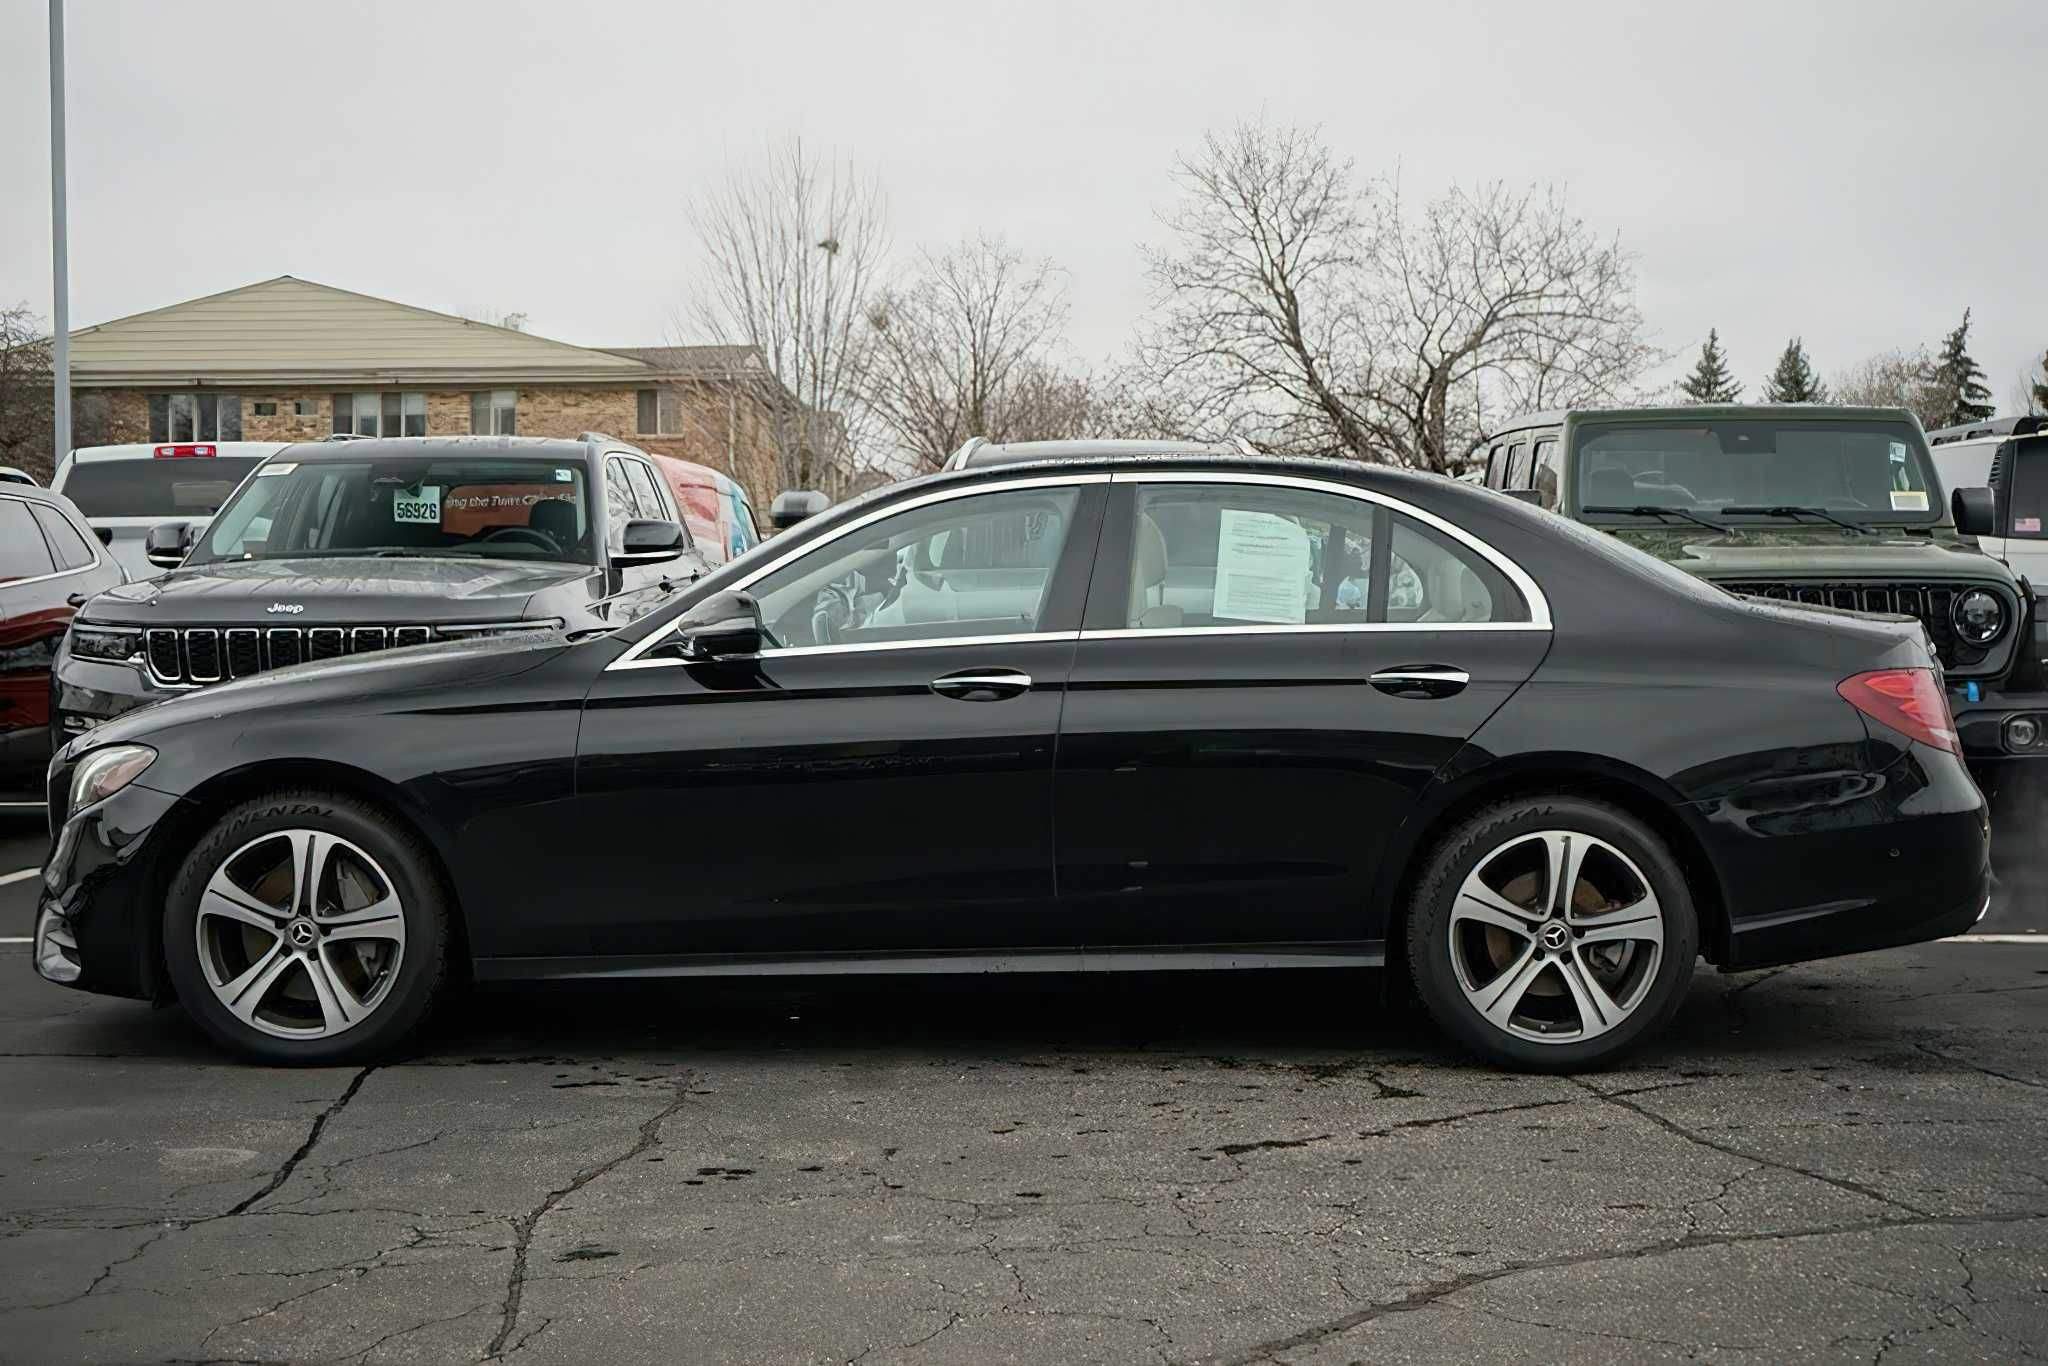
x=2029 y=489
x=192 y=486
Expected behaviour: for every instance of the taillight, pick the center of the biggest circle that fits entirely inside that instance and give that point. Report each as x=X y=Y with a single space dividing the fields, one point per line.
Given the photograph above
x=1910 y=701
x=182 y=452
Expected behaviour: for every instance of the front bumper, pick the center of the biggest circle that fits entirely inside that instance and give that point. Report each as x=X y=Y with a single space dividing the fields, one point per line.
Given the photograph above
x=98 y=909
x=89 y=692
x=1999 y=725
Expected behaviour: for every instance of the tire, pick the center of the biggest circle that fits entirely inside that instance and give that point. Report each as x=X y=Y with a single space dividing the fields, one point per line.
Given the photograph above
x=1624 y=949
x=237 y=929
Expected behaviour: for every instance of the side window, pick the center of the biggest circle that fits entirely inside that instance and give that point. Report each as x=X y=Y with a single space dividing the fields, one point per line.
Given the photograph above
x=746 y=534
x=1547 y=463
x=620 y=506
x=23 y=554
x=652 y=504
x=970 y=566
x=1518 y=467
x=1221 y=555
x=65 y=543
x=1453 y=582
x=1497 y=466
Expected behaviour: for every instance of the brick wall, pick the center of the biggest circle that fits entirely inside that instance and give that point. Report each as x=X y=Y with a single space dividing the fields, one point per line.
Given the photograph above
x=723 y=429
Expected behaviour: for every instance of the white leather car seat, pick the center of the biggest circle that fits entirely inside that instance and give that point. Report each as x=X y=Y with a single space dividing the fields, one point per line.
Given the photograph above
x=1148 y=579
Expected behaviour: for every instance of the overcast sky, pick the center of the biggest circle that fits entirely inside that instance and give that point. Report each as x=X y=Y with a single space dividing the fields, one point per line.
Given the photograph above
x=1856 y=173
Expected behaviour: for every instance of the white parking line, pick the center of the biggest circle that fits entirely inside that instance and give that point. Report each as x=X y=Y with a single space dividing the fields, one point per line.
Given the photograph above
x=23 y=876
x=1996 y=939
x=17 y=941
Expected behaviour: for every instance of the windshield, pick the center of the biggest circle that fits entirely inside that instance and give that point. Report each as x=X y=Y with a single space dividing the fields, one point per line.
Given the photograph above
x=488 y=508
x=1858 y=471
x=192 y=486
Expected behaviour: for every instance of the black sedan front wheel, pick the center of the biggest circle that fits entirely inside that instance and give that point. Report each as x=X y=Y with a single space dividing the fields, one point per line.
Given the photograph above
x=1552 y=933
x=307 y=928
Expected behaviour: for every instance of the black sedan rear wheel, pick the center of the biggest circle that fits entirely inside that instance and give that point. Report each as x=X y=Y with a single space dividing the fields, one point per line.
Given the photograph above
x=1552 y=933
x=307 y=928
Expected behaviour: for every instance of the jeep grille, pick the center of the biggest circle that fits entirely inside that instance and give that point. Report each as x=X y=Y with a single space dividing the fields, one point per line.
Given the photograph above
x=207 y=654
x=1930 y=603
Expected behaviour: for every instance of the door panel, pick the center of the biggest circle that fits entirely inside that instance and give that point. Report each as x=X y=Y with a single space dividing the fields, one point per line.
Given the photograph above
x=825 y=802
x=1242 y=788
x=1272 y=670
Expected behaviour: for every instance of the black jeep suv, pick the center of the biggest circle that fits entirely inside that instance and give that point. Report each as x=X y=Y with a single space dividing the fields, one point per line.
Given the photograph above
x=339 y=548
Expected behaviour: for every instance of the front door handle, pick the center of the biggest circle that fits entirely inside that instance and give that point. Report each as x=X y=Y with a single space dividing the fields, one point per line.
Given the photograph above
x=1421 y=680
x=982 y=685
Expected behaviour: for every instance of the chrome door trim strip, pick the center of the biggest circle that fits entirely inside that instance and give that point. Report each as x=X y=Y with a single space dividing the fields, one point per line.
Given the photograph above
x=1309 y=629
x=1539 y=605
x=631 y=659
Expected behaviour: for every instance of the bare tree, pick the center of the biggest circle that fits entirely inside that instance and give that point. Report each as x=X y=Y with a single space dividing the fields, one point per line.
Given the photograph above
x=964 y=347
x=792 y=250
x=27 y=393
x=1330 y=319
x=1891 y=379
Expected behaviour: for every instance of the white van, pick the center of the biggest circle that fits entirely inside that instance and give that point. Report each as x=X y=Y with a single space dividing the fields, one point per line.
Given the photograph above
x=125 y=490
x=2009 y=456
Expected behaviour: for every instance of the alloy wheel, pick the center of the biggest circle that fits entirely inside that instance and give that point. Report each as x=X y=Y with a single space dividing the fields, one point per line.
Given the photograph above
x=300 y=933
x=1556 y=937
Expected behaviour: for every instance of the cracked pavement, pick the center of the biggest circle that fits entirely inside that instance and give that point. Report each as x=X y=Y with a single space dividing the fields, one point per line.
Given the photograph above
x=1834 y=1162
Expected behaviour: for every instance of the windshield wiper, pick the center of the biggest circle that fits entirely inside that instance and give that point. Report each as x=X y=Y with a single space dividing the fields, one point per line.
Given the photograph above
x=1652 y=510
x=1793 y=510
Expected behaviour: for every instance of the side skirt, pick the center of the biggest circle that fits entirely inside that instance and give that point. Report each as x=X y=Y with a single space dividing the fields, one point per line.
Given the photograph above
x=1370 y=953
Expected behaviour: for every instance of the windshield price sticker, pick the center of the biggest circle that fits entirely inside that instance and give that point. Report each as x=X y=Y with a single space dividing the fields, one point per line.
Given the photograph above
x=2030 y=525
x=277 y=467
x=1909 y=500
x=421 y=508
x=565 y=476
x=1262 y=568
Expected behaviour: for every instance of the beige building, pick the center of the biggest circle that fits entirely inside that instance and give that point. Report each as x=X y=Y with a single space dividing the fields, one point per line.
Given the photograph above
x=290 y=360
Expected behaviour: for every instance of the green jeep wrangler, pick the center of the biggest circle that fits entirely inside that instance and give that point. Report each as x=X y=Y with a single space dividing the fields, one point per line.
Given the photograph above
x=1835 y=507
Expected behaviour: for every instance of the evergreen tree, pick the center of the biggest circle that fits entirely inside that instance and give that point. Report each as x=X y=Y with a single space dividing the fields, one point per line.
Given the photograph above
x=1794 y=380
x=1960 y=391
x=1711 y=381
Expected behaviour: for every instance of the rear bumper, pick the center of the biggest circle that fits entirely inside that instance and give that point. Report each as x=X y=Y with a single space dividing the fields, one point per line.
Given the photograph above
x=1900 y=856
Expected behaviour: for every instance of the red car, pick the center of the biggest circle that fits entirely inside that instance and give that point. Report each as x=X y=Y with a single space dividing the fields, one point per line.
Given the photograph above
x=714 y=506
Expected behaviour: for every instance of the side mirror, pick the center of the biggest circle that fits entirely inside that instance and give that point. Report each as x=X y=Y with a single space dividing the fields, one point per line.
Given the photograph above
x=167 y=544
x=795 y=505
x=647 y=541
x=1975 y=510
x=721 y=626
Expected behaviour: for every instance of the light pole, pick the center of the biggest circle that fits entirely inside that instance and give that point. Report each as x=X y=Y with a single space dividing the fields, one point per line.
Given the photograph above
x=60 y=266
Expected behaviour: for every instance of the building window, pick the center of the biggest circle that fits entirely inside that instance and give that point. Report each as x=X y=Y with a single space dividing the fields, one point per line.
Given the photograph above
x=263 y=408
x=195 y=417
x=306 y=407
x=494 y=412
x=385 y=414
x=661 y=413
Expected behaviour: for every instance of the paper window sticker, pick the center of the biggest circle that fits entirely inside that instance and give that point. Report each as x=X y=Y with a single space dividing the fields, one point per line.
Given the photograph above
x=1909 y=500
x=1262 y=568
x=277 y=467
x=565 y=476
x=421 y=509
x=2027 y=524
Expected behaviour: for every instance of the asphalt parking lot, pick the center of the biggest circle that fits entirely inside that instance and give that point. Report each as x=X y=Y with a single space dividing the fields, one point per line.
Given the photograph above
x=1843 y=1161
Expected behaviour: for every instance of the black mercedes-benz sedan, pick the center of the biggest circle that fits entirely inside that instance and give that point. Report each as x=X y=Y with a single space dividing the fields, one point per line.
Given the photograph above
x=1169 y=711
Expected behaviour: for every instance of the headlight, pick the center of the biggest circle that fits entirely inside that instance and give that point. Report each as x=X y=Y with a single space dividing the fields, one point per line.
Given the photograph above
x=1979 y=616
x=103 y=772
x=119 y=643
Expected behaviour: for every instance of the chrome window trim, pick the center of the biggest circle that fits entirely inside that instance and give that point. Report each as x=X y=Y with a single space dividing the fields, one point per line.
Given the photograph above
x=1532 y=594
x=631 y=659
x=92 y=543
x=1539 y=605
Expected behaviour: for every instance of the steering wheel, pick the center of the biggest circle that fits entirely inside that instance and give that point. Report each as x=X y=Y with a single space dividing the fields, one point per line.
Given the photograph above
x=831 y=610
x=525 y=533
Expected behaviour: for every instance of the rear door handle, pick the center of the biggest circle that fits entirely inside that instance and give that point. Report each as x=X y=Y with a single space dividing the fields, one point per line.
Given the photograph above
x=982 y=685
x=1421 y=680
